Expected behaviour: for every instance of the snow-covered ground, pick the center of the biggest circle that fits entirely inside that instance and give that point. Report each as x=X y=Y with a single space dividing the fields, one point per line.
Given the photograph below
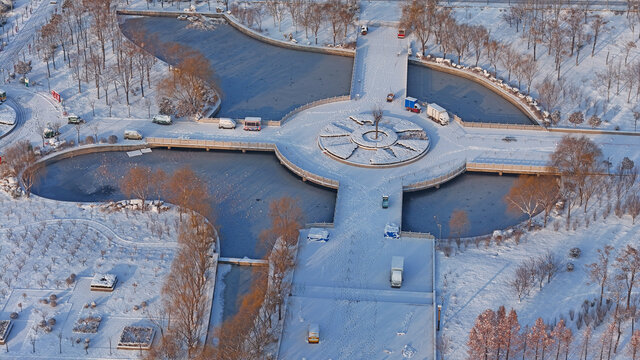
x=477 y=278
x=43 y=242
x=582 y=91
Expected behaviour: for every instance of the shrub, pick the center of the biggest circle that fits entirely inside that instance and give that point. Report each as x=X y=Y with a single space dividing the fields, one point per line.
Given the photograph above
x=53 y=297
x=89 y=140
x=103 y=141
x=13 y=315
x=113 y=139
x=570 y=266
x=53 y=303
x=575 y=252
x=51 y=321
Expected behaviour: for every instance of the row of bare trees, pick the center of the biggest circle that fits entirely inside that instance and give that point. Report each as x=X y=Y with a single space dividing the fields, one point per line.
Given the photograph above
x=186 y=289
x=19 y=159
x=184 y=188
x=428 y=20
x=535 y=270
x=338 y=15
x=188 y=89
x=84 y=31
x=498 y=335
x=583 y=173
x=250 y=331
x=616 y=275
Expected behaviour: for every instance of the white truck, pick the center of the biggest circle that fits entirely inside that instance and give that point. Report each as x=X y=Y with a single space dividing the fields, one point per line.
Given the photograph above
x=438 y=114
x=397 y=266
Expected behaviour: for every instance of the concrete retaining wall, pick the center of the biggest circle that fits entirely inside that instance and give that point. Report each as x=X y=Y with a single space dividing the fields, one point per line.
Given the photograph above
x=245 y=30
x=484 y=82
x=89 y=149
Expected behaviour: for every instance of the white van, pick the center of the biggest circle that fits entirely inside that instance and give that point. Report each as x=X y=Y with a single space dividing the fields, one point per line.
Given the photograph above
x=226 y=123
x=162 y=119
x=313 y=334
x=132 y=135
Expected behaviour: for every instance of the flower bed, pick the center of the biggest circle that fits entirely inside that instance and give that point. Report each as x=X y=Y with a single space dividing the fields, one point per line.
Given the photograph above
x=136 y=338
x=104 y=282
x=87 y=325
x=5 y=328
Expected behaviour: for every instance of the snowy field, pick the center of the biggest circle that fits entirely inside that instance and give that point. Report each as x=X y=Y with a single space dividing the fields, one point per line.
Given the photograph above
x=477 y=278
x=44 y=242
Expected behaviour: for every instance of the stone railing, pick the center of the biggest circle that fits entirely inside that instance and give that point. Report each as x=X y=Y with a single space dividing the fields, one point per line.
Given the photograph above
x=488 y=125
x=305 y=175
x=248 y=146
x=469 y=74
x=425 y=184
x=245 y=30
x=511 y=168
x=313 y=104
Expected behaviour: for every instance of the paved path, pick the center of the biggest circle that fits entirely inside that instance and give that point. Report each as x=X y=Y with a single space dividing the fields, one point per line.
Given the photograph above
x=380 y=52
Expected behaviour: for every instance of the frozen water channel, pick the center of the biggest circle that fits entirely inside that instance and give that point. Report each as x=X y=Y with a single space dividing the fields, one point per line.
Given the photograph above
x=243 y=183
x=465 y=98
x=480 y=195
x=256 y=78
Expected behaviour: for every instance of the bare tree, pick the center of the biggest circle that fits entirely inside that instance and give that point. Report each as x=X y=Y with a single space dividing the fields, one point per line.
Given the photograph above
x=317 y=18
x=286 y=220
x=595 y=121
x=549 y=93
x=576 y=159
x=599 y=271
x=598 y=25
x=576 y=118
x=377 y=117
x=479 y=37
x=458 y=223
x=137 y=183
x=523 y=196
x=628 y=266
x=548 y=193
x=481 y=336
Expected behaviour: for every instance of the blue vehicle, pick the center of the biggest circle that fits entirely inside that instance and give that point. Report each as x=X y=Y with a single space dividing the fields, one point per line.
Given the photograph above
x=411 y=104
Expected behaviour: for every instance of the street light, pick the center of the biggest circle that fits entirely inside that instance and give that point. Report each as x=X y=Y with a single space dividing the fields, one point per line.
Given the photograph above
x=435 y=218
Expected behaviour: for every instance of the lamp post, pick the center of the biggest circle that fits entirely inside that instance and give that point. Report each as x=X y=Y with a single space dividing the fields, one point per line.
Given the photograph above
x=435 y=218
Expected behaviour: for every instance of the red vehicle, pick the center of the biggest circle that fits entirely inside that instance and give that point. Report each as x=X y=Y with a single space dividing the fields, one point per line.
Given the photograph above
x=401 y=33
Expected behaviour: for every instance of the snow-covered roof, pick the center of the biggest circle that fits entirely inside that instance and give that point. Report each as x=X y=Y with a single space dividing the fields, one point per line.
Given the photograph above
x=104 y=280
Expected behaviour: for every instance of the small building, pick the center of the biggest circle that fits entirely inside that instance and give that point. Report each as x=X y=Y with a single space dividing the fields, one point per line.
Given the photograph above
x=136 y=338
x=104 y=282
x=5 y=329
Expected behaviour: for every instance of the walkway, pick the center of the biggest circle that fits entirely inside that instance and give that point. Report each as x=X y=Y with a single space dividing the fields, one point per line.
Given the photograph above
x=380 y=66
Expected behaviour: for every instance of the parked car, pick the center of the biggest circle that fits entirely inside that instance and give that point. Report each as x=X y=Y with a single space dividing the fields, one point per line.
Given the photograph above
x=132 y=135
x=364 y=29
x=162 y=119
x=390 y=97
x=74 y=119
x=182 y=17
x=313 y=334
x=226 y=123
x=385 y=201
x=401 y=33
